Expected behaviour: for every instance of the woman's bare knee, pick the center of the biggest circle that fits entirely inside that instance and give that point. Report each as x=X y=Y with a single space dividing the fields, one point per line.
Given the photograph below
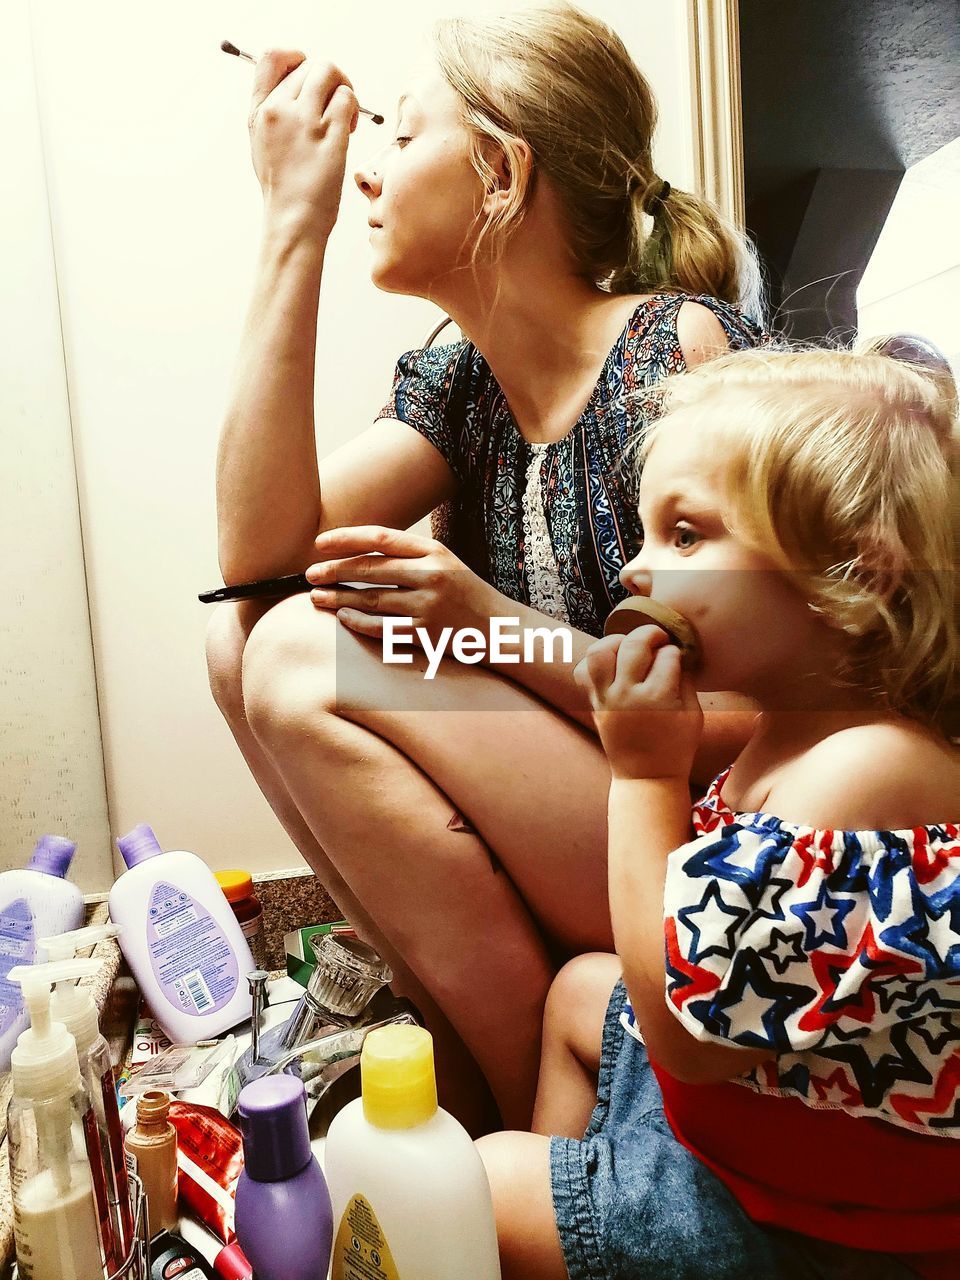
x=224 y=647
x=288 y=673
x=227 y=634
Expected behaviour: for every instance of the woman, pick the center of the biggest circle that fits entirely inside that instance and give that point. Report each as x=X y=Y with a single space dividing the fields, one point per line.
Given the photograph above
x=519 y=195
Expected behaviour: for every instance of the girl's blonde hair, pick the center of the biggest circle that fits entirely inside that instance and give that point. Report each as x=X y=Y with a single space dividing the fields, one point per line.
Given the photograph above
x=842 y=467
x=562 y=81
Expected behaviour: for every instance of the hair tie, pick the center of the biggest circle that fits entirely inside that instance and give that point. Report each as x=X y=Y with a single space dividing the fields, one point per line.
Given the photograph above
x=655 y=193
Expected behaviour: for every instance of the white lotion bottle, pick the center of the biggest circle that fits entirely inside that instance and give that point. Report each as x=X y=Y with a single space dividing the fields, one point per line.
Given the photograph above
x=410 y=1194
x=181 y=939
x=75 y=1007
x=33 y=902
x=53 y=1161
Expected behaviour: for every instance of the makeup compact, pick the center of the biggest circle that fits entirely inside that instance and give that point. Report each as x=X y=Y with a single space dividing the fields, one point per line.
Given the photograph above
x=641 y=611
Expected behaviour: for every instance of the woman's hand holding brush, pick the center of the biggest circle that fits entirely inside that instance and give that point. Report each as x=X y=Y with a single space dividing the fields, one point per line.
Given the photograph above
x=302 y=114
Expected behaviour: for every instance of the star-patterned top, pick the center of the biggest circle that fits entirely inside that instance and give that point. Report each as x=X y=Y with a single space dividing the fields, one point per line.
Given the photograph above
x=837 y=950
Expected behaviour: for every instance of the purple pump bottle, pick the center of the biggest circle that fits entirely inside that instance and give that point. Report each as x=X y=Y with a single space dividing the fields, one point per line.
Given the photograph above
x=284 y=1218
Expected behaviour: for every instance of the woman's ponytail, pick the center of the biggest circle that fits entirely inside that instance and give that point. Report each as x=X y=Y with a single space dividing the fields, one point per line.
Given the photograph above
x=689 y=246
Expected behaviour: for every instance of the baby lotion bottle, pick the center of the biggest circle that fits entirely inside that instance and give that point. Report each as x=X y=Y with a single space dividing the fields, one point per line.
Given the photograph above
x=181 y=939
x=33 y=902
x=54 y=1164
x=284 y=1224
x=74 y=1006
x=410 y=1195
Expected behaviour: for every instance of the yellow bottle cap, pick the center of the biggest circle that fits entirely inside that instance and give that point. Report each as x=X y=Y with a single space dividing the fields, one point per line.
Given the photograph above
x=397 y=1077
x=236 y=885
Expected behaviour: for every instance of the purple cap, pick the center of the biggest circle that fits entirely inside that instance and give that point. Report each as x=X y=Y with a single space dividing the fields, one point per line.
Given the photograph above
x=273 y=1121
x=52 y=856
x=138 y=845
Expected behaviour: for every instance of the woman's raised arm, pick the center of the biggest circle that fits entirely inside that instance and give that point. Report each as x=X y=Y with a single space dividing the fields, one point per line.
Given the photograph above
x=272 y=498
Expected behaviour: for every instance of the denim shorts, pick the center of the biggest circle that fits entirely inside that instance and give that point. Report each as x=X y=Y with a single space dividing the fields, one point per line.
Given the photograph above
x=632 y=1203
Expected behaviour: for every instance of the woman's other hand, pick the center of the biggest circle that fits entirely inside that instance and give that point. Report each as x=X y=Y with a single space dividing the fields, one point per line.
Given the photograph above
x=416 y=577
x=646 y=709
x=301 y=116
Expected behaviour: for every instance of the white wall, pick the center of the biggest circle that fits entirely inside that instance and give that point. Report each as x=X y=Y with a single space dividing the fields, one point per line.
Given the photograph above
x=912 y=280
x=155 y=212
x=51 y=777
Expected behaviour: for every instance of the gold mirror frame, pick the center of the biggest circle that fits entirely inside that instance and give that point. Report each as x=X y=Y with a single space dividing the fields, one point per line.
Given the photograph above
x=717 y=104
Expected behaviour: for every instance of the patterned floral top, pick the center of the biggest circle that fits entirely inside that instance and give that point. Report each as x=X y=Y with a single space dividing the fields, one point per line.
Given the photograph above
x=839 y=950
x=550 y=525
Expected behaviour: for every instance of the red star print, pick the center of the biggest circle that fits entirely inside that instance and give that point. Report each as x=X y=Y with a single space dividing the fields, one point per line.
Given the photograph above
x=829 y=968
x=824 y=1086
x=813 y=859
x=944 y=1092
x=702 y=981
x=929 y=863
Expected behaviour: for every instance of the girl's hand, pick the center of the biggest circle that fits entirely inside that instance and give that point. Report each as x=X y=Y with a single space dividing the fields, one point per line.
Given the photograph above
x=645 y=707
x=301 y=115
x=423 y=580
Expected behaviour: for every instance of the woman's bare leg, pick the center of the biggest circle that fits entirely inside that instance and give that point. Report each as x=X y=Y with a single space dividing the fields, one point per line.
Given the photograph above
x=379 y=765
x=572 y=1035
x=463 y=1089
x=518 y=1167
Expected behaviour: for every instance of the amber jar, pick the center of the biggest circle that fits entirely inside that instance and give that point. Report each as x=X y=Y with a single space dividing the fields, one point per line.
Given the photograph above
x=238 y=890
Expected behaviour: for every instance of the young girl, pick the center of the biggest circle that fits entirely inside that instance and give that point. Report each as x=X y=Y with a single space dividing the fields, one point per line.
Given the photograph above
x=517 y=192
x=800 y=509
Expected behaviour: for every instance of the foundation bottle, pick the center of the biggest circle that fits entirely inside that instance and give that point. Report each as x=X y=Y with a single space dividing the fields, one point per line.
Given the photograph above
x=151 y=1148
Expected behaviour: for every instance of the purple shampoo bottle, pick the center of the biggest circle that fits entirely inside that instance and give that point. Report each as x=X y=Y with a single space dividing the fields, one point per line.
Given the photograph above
x=284 y=1219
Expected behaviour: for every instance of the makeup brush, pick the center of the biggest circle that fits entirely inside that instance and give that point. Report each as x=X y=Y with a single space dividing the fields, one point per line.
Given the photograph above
x=227 y=47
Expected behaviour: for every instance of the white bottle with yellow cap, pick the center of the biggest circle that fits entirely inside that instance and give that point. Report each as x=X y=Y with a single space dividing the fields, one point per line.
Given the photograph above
x=410 y=1195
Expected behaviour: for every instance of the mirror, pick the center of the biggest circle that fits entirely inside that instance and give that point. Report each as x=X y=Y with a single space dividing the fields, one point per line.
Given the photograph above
x=130 y=229
x=131 y=220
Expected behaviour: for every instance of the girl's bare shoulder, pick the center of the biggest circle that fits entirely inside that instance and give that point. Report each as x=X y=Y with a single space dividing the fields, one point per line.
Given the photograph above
x=892 y=775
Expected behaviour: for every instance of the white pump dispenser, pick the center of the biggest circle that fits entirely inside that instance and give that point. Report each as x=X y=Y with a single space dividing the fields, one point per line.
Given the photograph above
x=75 y=1007
x=52 y=1164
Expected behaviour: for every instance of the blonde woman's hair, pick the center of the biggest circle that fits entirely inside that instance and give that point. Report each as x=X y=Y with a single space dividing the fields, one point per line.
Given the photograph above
x=844 y=468
x=562 y=81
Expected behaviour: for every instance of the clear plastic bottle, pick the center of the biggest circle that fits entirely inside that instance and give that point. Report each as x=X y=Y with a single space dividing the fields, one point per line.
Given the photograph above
x=410 y=1194
x=75 y=1007
x=53 y=1150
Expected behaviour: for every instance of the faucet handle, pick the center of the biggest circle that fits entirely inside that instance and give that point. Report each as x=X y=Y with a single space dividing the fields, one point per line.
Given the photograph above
x=348 y=974
x=257 y=980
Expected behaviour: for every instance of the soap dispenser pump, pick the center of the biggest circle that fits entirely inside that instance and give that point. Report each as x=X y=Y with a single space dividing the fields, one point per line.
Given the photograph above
x=75 y=1007
x=53 y=1164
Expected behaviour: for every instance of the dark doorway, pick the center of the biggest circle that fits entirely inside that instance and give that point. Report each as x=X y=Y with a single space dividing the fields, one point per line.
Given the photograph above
x=840 y=97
